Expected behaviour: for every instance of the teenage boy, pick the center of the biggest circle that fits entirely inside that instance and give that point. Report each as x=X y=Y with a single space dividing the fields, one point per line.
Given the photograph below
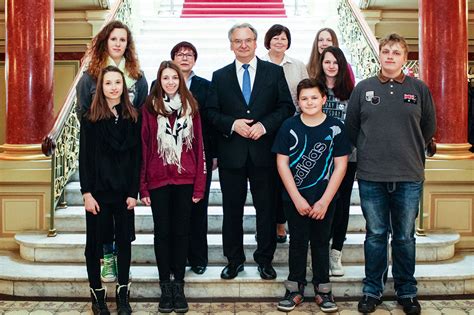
x=312 y=152
x=390 y=119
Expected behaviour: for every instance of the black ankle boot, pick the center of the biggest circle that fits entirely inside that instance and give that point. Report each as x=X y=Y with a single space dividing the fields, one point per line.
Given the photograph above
x=122 y=296
x=166 y=299
x=179 y=300
x=99 y=307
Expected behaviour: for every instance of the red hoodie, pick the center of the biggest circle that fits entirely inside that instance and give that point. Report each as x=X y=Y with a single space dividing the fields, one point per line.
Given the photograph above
x=154 y=174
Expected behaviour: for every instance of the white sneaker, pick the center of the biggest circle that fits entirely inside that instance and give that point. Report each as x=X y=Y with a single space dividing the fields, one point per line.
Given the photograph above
x=335 y=263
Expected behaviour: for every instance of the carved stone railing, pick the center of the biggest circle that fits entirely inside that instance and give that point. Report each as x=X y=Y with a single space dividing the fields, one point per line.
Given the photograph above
x=62 y=142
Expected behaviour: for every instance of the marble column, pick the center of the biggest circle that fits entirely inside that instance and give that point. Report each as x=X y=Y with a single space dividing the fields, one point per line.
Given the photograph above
x=443 y=66
x=29 y=70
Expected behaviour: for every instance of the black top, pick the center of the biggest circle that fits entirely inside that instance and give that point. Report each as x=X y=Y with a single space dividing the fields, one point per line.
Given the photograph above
x=109 y=157
x=86 y=87
x=311 y=151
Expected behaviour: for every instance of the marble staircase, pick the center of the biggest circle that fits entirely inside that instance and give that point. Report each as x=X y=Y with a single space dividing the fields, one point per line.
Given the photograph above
x=56 y=265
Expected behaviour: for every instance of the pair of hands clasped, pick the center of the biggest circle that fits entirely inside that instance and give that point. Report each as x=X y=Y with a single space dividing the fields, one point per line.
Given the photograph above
x=244 y=128
x=317 y=211
x=92 y=206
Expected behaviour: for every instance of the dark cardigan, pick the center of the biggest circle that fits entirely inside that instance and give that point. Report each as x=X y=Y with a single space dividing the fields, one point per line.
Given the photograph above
x=109 y=158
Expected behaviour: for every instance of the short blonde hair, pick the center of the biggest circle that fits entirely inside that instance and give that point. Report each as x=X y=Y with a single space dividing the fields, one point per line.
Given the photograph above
x=394 y=38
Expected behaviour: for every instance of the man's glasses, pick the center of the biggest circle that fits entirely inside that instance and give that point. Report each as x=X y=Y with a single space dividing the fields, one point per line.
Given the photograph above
x=247 y=41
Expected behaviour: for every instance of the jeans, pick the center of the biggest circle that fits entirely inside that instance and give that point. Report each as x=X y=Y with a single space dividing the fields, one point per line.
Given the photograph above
x=302 y=230
x=390 y=208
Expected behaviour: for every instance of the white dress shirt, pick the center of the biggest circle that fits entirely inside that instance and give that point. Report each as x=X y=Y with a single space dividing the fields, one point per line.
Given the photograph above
x=239 y=70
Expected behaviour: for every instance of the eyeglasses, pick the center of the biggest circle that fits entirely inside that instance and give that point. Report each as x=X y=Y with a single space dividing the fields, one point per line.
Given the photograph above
x=181 y=55
x=239 y=42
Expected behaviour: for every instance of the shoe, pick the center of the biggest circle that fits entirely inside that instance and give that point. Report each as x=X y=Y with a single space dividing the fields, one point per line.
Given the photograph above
x=368 y=304
x=335 y=263
x=267 y=272
x=282 y=238
x=166 y=299
x=231 y=270
x=324 y=298
x=294 y=296
x=122 y=296
x=99 y=306
x=411 y=306
x=180 y=304
x=199 y=270
x=109 y=269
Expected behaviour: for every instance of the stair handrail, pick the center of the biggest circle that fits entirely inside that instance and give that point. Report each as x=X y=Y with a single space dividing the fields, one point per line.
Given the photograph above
x=62 y=141
x=358 y=38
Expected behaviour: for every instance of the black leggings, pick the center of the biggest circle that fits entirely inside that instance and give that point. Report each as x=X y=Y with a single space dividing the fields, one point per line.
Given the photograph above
x=343 y=205
x=171 y=207
x=111 y=214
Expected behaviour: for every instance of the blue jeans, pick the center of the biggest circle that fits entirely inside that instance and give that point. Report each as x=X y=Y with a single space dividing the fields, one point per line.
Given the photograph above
x=390 y=208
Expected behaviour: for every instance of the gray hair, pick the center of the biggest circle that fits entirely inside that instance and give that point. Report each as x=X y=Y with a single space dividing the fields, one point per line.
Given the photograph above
x=241 y=25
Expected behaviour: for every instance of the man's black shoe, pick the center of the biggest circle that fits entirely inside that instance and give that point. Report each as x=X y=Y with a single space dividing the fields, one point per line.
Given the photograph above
x=198 y=269
x=231 y=271
x=411 y=306
x=267 y=272
x=368 y=304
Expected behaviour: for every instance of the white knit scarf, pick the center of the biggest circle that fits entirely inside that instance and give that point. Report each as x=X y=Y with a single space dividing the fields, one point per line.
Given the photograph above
x=128 y=79
x=171 y=139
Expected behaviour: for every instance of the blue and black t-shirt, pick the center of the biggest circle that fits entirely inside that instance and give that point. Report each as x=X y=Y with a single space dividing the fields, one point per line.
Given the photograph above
x=311 y=151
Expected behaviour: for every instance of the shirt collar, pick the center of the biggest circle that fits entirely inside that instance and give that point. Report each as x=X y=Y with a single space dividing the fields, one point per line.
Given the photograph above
x=399 y=79
x=252 y=63
x=190 y=79
x=285 y=60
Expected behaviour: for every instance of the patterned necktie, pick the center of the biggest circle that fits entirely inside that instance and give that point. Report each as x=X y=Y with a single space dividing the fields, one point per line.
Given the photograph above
x=246 y=83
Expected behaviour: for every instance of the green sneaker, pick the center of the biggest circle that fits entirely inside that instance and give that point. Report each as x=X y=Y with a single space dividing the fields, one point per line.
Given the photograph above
x=109 y=269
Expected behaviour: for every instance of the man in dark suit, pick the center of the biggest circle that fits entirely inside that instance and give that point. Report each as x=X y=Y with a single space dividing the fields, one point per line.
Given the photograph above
x=248 y=101
x=184 y=54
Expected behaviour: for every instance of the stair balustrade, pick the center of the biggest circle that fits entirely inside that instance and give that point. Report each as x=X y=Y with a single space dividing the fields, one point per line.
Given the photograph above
x=361 y=42
x=62 y=141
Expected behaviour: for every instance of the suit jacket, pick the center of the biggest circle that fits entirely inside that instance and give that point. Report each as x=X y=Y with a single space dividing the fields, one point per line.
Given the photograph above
x=199 y=89
x=270 y=104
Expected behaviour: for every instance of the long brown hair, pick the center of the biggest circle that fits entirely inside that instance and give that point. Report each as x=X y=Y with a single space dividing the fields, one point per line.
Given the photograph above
x=100 y=109
x=313 y=64
x=154 y=102
x=344 y=85
x=98 y=51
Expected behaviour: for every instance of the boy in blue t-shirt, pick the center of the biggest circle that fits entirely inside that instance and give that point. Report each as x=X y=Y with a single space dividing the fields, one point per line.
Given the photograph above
x=312 y=152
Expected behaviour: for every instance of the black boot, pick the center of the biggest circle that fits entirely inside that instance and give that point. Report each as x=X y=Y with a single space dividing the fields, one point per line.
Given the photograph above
x=122 y=295
x=166 y=299
x=99 y=307
x=179 y=300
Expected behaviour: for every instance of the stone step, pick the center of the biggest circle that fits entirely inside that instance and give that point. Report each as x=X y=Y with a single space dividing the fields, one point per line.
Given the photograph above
x=19 y=277
x=74 y=196
x=71 y=219
x=36 y=246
